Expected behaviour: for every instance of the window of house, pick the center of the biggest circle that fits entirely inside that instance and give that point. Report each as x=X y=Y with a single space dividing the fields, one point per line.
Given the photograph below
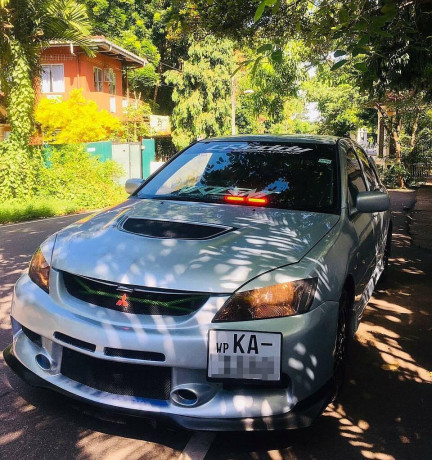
x=98 y=79
x=52 y=78
x=110 y=78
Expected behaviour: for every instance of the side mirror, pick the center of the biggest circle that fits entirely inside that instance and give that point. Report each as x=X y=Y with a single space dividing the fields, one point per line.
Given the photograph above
x=132 y=184
x=372 y=202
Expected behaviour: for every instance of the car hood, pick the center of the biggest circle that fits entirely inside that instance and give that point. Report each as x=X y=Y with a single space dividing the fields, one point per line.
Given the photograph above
x=259 y=240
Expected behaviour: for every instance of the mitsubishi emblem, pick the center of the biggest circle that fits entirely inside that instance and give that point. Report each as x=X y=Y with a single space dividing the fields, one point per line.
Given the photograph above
x=123 y=302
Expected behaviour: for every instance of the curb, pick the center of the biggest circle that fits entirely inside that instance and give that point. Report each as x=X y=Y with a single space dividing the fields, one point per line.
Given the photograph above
x=420 y=226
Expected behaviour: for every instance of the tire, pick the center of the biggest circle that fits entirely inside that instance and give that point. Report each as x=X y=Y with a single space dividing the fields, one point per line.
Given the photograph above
x=343 y=339
x=386 y=256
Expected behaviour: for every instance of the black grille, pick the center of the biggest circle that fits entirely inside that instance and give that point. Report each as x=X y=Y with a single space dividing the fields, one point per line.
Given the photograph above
x=134 y=354
x=75 y=342
x=169 y=229
x=118 y=378
x=133 y=299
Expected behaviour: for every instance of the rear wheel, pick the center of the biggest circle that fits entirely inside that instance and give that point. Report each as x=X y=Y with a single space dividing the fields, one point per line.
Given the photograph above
x=342 y=343
x=386 y=256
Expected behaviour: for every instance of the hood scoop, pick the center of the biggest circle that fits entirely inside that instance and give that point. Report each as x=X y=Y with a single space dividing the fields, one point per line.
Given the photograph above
x=153 y=228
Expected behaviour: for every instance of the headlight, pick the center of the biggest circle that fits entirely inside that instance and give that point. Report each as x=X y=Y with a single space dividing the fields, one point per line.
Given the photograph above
x=39 y=270
x=286 y=299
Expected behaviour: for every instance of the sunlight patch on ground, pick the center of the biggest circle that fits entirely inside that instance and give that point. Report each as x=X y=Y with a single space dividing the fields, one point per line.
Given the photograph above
x=10 y=437
x=355 y=432
x=107 y=447
x=387 y=342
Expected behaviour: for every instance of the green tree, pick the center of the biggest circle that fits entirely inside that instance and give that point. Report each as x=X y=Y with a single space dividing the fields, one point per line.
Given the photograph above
x=129 y=23
x=147 y=29
x=386 y=42
x=202 y=91
x=26 y=26
x=135 y=125
x=343 y=108
x=267 y=92
x=142 y=82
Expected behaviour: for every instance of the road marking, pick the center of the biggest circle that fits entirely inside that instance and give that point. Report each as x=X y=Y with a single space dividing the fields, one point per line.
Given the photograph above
x=198 y=446
x=44 y=219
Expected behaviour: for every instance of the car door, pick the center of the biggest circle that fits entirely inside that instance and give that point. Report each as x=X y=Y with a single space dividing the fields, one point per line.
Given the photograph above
x=380 y=219
x=364 y=258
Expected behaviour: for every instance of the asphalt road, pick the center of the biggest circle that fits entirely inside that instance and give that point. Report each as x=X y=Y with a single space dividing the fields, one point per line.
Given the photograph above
x=384 y=412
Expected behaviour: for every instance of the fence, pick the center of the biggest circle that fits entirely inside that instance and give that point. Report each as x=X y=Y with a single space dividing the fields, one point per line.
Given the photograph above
x=164 y=149
x=136 y=159
x=420 y=171
x=371 y=149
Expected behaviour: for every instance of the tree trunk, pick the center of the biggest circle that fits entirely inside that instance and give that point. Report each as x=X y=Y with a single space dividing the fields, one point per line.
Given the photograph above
x=398 y=150
x=21 y=97
x=155 y=94
x=414 y=131
x=18 y=176
x=393 y=130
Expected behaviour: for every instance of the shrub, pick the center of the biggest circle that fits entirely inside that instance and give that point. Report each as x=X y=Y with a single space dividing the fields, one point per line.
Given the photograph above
x=76 y=176
x=17 y=210
x=135 y=124
x=75 y=120
x=391 y=175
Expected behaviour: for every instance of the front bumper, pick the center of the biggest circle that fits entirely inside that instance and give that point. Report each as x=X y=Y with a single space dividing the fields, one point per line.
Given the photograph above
x=308 y=342
x=301 y=416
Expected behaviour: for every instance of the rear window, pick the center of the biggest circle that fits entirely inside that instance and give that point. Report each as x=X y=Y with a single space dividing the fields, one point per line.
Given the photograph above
x=294 y=176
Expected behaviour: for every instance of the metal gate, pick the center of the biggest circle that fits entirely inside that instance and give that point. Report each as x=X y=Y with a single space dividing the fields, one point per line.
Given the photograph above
x=128 y=155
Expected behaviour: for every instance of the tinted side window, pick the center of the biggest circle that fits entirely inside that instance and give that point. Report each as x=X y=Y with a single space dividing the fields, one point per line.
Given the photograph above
x=369 y=173
x=356 y=181
x=373 y=166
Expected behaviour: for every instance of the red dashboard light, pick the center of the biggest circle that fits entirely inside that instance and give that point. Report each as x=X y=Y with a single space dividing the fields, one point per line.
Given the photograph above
x=245 y=200
x=257 y=200
x=235 y=199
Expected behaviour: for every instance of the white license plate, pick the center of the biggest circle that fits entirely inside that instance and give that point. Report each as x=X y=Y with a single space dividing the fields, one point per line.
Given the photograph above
x=244 y=355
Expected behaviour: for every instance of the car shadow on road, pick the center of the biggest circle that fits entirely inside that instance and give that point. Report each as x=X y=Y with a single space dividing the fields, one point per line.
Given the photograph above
x=58 y=427
x=384 y=409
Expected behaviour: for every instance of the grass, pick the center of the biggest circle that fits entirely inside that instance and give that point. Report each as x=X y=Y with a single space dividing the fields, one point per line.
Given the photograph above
x=19 y=210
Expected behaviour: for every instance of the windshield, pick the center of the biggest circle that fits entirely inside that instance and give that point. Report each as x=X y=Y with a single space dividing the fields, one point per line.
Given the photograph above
x=283 y=175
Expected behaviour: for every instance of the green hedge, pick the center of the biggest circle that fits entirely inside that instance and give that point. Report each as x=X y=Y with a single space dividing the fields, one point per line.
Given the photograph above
x=67 y=180
x=17 y=210
x=74 y=175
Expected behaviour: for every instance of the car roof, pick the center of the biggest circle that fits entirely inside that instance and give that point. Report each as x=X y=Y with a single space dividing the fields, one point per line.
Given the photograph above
x=299 y=138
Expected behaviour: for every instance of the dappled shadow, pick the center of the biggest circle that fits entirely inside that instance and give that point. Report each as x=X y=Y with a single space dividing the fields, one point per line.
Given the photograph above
x=384 y=410
x=15 y=254
x=36 y=423
x=42 y=424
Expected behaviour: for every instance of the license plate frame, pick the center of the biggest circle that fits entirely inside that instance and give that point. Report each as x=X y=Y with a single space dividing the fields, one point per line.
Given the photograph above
x=269 y=337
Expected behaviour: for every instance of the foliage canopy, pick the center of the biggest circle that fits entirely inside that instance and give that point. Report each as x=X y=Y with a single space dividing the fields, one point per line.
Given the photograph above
x=202 y=91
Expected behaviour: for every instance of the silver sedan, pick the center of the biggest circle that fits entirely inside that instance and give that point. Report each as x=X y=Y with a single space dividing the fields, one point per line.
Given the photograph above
x=222 y=295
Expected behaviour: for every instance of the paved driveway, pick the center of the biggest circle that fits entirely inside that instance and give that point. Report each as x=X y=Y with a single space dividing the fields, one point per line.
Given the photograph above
x=384 y=413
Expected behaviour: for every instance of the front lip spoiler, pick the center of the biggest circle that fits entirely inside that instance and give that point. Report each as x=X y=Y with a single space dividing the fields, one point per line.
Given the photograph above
x=301 y=416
